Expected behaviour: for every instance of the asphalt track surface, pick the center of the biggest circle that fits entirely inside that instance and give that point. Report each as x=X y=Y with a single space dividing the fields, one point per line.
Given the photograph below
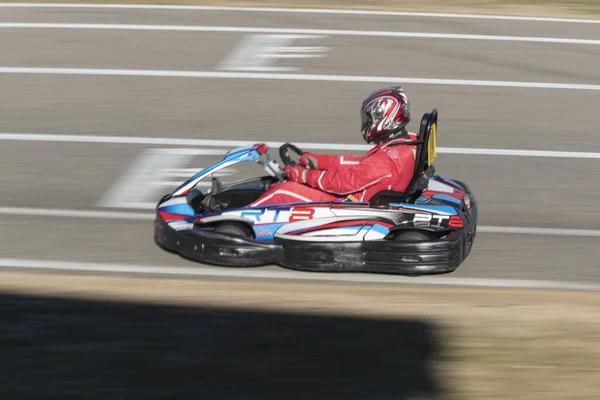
x=73 y=95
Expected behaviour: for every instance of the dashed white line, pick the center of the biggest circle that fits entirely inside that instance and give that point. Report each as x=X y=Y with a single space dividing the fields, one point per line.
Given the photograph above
x=293 y=77
x=299 y=11
x=144 y=216
x=283 y=274
x=228 y=144
x=330 y=32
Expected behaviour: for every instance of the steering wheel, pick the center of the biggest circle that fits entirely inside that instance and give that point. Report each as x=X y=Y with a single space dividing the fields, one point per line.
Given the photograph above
x=286 y=157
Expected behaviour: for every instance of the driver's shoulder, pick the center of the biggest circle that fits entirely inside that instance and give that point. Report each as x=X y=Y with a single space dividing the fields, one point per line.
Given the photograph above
x=409 y=137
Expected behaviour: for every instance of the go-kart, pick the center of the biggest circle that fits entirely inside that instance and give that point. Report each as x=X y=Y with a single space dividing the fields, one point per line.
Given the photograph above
x=428 y=229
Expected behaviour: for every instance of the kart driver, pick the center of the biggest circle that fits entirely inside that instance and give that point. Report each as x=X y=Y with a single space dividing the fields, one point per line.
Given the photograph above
x=387 y=166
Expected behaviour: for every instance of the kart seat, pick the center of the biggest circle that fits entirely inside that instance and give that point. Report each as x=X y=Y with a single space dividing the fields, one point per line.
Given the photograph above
x=425 y=155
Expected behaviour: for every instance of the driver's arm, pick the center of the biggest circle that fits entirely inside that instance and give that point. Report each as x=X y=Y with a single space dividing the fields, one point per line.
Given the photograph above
x=344 y=178
x=326 y=161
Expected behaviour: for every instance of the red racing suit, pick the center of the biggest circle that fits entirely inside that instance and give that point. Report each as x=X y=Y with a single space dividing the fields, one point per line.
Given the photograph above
x=387 y=166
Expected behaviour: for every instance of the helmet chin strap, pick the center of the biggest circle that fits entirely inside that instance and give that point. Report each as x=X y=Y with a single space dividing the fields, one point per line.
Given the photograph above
x=392 y=135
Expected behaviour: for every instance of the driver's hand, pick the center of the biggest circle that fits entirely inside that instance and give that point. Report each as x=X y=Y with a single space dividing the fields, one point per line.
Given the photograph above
x=314 y=161
x=296 y=173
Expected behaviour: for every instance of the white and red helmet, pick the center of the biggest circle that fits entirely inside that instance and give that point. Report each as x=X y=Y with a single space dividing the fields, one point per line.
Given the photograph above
x=384 y=112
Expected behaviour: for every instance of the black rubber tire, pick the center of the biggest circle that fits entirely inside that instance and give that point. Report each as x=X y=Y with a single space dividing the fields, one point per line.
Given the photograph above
x=414 y=236
x=234 y=229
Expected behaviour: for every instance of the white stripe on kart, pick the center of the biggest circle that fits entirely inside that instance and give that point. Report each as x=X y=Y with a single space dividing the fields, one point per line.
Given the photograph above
x=330 y=32
x=299 y=11
x=141 y=216
x=294 y=77
x=227 y=144
x=283 y=274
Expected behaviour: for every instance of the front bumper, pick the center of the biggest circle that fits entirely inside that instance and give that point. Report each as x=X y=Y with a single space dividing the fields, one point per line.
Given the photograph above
x=216 y=248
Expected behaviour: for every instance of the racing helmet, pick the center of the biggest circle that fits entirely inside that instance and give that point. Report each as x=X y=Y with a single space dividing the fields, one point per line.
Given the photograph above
x=384 y=113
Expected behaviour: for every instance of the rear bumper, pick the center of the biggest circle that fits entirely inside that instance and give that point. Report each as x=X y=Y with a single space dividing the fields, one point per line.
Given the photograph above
x=384 y=256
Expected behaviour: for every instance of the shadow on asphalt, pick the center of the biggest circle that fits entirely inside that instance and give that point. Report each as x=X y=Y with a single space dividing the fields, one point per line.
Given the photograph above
x=68 y=348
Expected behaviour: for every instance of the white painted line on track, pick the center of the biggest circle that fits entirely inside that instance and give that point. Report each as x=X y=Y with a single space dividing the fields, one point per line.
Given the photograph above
x=54 y=212
x=299 y=11
x=227 y=144
x=284 y=274
x=521 y=153
x=293 y=77
x=539 y=231
x=330 y=32
x=141 y=216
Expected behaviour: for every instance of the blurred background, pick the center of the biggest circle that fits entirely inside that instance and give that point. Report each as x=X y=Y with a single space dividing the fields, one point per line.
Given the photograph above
x=106 y=107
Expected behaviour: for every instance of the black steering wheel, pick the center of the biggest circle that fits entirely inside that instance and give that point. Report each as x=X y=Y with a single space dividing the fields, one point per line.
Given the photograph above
x=286 y=157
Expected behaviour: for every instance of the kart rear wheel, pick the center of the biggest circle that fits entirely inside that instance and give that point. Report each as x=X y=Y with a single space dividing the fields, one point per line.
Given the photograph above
x=414 y=236
x=234 y=229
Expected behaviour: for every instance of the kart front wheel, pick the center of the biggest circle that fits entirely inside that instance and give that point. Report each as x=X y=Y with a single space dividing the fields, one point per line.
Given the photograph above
x=234 y=229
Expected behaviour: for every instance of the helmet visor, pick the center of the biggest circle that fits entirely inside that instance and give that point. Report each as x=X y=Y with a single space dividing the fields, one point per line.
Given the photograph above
x=365 y=122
